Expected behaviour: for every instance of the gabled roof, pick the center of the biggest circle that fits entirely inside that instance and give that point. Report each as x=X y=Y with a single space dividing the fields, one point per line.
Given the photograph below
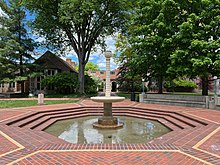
x=51 y=61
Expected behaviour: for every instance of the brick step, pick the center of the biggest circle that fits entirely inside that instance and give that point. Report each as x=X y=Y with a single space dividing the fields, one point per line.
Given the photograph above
x=33 y=123
x=29 y=138
x=172 y=112
x=44 y=119
x=187 y=120
x=169 y=118
x=173 y=121
x=31 y=114
x=163 y=121
x=37 y=116
x=49 y=122
x=183 y=118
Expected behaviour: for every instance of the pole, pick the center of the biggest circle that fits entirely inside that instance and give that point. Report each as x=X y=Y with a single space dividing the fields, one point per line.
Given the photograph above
x=215 y=90
x=108 y=55
x=142 y=85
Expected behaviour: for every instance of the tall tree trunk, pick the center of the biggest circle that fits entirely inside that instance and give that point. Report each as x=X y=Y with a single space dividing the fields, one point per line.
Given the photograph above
x=20 y=54
x=21 y=73
x=205 y=84
x=160 y=85
x=81 y=77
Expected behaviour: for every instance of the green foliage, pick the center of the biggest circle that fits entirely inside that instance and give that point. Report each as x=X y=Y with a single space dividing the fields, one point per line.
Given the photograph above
x=184 y=83
x=90 y=85
x=81 y=24
x=15 y=42
x=62 y=82
x=197 y=50
x=180 y=85
x=129 y=73
x=90 y=66
x=152 y=27
x=27 y=103
x=171 y=39
x=99 y=83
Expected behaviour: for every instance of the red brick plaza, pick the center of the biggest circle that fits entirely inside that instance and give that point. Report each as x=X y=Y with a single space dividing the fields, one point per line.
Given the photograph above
x=194 y=139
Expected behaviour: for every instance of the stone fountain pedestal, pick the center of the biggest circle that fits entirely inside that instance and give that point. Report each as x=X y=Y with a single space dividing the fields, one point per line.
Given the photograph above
x=107 y=121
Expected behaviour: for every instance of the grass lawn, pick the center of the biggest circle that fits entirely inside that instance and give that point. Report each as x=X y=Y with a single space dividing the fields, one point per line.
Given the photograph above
x=128 y=95
x=26 y=103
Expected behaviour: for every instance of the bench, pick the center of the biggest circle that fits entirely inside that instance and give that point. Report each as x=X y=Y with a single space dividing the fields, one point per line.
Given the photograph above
x=4 y=95
x=180 y=100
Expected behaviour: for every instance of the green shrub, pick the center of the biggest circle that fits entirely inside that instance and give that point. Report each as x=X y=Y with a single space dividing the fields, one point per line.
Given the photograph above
x=90 y=85
x=63 y=83
x=180 y=85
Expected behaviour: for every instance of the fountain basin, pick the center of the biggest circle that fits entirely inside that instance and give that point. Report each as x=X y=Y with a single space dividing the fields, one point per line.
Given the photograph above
x=105 y=99
x=82 y=131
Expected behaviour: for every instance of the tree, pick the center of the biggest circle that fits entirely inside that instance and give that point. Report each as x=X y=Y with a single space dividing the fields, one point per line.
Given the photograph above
x=62 y=82
x=89 y=66
x=80 y=24
x=15 y=43
x=198 y=52
x=153 y=24
x=129 y=74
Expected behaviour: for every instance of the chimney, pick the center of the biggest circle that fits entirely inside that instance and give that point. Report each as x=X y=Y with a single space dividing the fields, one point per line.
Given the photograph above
x=69 y=61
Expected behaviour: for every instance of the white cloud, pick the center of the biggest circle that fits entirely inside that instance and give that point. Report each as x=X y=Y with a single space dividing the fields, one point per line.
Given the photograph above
x=40 y=39
x=101 y=65
x=2 y=12
x=101 y=62
x=69 y=54
x=95 y=55
x=110 y=42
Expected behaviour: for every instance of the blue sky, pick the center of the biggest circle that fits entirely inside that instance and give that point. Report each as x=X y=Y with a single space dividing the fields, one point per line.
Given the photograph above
x=98 y=57
x=95 y=57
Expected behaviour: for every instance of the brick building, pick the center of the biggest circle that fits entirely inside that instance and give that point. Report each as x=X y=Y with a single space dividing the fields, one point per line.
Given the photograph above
x=102 y=75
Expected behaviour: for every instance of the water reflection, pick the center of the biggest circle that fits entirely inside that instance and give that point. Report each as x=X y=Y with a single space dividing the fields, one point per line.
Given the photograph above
x=81 y=131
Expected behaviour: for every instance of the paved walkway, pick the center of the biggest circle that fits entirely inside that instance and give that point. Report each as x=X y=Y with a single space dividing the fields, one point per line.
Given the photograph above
x=195 y=138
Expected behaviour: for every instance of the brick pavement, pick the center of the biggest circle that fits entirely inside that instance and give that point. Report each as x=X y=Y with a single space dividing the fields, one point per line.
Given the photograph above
x=194 y=139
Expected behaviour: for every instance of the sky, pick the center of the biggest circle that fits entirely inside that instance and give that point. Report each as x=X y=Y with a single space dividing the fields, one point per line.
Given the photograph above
x=98 y=57
x=95 y=57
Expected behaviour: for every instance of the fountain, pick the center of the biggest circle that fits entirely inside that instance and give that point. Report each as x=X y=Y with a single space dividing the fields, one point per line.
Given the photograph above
x=107 y=120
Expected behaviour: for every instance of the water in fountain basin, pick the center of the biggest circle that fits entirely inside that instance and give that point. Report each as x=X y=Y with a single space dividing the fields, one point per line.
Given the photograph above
x=80 y=131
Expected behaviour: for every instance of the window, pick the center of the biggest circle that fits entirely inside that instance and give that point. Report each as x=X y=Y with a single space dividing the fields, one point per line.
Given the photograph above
x=51 y=72
x=112 y=73
x=38 y=86
x=101 y=72
x=12 y=85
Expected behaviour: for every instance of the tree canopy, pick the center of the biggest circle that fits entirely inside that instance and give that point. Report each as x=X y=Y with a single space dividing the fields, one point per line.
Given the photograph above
x=79 y=24
x=90 y=66
x=15 y=44
x=197 y=52
x=172 y=39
